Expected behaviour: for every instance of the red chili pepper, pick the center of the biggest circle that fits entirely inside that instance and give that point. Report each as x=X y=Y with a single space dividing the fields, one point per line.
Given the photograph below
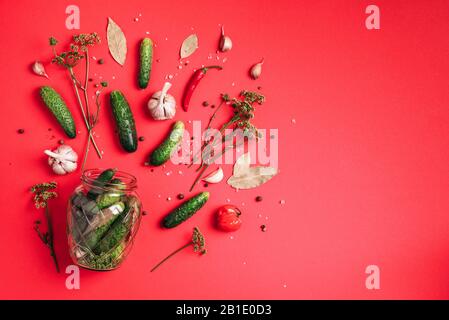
x=193 y=83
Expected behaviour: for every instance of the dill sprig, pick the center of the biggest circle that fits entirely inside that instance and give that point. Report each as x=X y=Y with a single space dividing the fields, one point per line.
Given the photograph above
x=244 y=110
x=43 y=192
x=79 y=50
x=198 y=242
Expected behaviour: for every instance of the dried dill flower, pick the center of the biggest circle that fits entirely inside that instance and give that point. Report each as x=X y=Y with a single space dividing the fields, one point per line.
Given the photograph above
x=198 y=242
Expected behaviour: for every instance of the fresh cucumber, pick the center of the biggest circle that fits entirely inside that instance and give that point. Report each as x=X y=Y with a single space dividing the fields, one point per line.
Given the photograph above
x=163 y=152
x=102 y=180
x=59 y=109
x=124 y=121
x=185 y=210
x=146 y=60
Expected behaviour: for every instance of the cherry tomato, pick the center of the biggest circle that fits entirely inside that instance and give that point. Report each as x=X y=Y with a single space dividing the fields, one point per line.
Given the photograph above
x=228 y=218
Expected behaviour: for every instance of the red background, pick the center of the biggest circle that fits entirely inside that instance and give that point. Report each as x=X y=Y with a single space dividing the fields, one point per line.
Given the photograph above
x=363 y=171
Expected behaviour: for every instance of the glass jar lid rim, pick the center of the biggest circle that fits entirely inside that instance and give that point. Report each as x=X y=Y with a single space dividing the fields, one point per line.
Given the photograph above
x=89 y=176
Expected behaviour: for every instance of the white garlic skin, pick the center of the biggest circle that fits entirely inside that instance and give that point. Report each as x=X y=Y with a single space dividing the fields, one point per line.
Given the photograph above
x=256 y=70
x=225 y=44
x=215 y=177
x=63 y=160
x=225 y=41
x=38 y=68
x=165 y=109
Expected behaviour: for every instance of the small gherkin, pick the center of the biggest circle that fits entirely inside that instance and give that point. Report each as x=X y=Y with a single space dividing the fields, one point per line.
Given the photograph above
x=58 y=108
x=146 y=61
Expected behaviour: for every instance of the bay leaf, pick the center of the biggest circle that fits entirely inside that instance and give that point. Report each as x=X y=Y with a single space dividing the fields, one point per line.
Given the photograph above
x=189 y=45
x=252 y=177
x=242 y=164
x=116 y=42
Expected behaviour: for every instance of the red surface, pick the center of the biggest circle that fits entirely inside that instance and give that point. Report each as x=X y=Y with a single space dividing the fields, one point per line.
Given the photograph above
x=363 y=171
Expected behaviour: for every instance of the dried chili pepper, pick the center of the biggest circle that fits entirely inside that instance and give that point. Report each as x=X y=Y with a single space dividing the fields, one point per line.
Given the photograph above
x=193 y=83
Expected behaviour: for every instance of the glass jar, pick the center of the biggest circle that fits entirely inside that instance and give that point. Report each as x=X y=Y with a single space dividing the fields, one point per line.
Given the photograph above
x=103 y=218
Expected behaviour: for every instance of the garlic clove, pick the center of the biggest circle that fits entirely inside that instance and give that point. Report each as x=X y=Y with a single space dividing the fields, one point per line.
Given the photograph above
x=68 y=166
x=215 y=177
x=225 y=42
x=38 y=68
x=256 y=70
x=58 y=168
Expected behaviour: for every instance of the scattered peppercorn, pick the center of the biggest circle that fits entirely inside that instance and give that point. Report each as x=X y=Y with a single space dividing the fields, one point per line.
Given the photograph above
x=263 y=228
x=21 y=131
x=104 y=84
x=100 y=61
x=259 y=88
x=180 y=196
x=272 y=136
x=141 y=138
x=259 y=198
x=152 y=170
x=206 y=185
x=49 y=129
x=90 y=79
x=144 y=213
x=212 y=106
x=61 y=141
x=205 y=103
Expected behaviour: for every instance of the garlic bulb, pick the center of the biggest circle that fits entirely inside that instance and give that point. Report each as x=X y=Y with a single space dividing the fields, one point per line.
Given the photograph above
x=162 y=105
x=256 y=70
x=62 y=160
x=38 y=68
x=225 y=42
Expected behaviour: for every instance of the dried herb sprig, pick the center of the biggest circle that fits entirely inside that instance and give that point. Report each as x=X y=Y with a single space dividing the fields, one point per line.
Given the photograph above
x=79 y=49
x=244 y=110
x=42 y=193
x=198 y=242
